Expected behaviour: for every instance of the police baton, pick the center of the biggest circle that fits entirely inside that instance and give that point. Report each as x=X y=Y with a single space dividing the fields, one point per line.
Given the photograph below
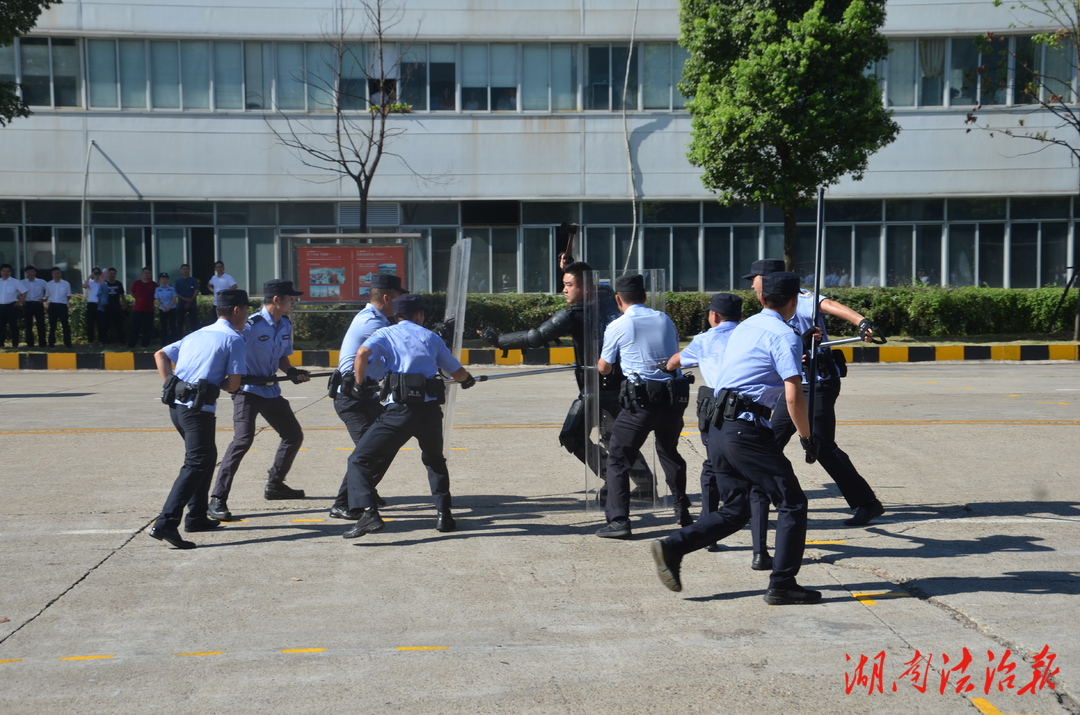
x=485 y=378
x=875 y=339
x=253 y=380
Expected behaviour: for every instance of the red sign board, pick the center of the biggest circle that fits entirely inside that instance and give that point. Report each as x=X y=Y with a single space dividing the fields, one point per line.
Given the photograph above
x=342 y=274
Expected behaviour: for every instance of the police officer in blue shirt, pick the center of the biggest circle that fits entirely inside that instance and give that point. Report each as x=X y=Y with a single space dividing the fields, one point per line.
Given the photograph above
x=837 y=464
x=653 y=400
x=762 y=362
x=706 y=351
x=358 y=406
x=268 y=336
x=207 y=361
x=165 y=299
x=413 y=356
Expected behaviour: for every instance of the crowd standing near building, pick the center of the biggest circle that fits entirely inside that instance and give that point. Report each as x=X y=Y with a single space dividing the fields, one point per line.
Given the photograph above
x=57 y=294
x=33 y=307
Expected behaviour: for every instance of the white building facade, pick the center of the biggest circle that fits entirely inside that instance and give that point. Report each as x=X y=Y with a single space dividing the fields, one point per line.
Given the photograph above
x=152 y=144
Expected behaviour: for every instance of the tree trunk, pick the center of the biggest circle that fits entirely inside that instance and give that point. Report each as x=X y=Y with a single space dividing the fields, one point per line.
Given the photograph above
x=363 y=206
x=789 y=238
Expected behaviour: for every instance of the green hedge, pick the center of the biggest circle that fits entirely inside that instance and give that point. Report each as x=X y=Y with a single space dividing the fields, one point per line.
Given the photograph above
x=953 y=313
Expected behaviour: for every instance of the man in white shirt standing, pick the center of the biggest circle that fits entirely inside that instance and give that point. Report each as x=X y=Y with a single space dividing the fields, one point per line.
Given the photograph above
x=11 y=297
x=34 y=306
x=220 y=281
x=57 y=292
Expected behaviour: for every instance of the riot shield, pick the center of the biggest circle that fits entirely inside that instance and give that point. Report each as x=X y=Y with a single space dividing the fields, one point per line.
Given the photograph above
x=456 y=293
x=601 y=396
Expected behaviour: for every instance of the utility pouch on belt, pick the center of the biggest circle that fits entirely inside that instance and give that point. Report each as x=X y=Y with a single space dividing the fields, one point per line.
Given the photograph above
x=705 y=406
x=729 y=405
x=168 y=390
x=201 y=393
x=679 y=391
x=336 y=380
x=840 y=362
x=408 y=388
x=633 y=395
x=436 y=388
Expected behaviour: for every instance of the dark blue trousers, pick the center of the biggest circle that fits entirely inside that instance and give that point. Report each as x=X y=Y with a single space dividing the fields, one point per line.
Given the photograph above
x=380 y=444
x=746 y=455
x=711 y=497
x=192 y=485
x=628 y=434
x=358 y=416
x=279 y=415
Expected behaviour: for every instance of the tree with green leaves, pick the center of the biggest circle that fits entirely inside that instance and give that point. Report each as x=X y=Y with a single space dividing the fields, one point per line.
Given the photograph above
x=782 y=101
x=1046 y=65
x=17 y=17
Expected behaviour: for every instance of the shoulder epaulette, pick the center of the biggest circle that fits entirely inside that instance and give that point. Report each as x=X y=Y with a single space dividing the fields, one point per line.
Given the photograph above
x=256 y=319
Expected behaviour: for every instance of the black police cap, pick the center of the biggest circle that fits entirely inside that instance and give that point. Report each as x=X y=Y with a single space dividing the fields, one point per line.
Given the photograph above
x=630 y=284
x=764 y=267
x=387 y=282
x=162 y=275
x=726 y=304
x=232 y=298
x=409 y=303
x=279 y=286
x=780 y=283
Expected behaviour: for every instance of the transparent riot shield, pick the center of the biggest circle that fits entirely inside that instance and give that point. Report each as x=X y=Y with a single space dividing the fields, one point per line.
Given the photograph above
x=456 y=292
x=601 y=396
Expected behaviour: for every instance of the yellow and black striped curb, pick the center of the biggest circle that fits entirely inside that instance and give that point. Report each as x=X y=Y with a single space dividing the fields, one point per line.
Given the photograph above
x=554 y=356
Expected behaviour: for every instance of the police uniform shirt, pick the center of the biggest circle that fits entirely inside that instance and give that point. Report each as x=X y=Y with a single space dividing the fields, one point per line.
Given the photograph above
x=706 y=351
x=363 y=326
x=804 y=316
x=211 y=353
x=219 y=283
x=408 y=347
x=10 y=290
x=762 y=352
x=267 y=343
x=639 y=340
x=35 y=290
x=58 y=291
x=165 y=295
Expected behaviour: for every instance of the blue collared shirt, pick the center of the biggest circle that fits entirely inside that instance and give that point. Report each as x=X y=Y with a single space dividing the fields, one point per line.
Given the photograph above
x=762 y=352
x=165 y=296
x=706 y=351
x=804 y=317
x=211 y=353
x=363 y=326
x=267 y=342
x=186 y=287
x=408 y=347
x=639 y=340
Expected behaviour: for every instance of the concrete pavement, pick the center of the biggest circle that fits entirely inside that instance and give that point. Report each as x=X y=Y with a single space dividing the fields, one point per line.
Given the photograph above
x=523 y=609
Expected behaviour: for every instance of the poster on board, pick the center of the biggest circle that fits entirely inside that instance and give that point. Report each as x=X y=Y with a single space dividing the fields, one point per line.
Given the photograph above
x=342 y=274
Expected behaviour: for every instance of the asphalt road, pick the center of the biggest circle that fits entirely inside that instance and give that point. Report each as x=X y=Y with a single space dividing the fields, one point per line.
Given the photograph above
x=523 y=609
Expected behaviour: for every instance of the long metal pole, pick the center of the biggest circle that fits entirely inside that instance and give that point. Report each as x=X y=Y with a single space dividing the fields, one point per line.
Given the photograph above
x=818 y=245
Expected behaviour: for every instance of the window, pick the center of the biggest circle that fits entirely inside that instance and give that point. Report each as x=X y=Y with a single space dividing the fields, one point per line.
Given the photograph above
x=962 y=254
x=228 y=75
x=443 y=73
x=35 y=71
x=534 y=77
x=289 y=75
x=916 y=75
x=504 y=78
x=414 y=90
x=979 y=75
x=657 y=75
x=319 y=76
x=101 y=65
x=195 y=74
x=132 y=74
x=606 y=73
x=474 y=78
x=257 y=74
x=717 y=258
x=67 y=74
x=164 y=75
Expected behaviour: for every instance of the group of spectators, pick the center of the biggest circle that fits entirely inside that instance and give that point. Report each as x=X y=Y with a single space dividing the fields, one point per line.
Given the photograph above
x=107 y=306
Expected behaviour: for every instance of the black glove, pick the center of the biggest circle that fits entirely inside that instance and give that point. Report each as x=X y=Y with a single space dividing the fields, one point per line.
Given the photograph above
x=362 y=390
x=445 y=329
x=864 y=326
x=168 y=390
x=294 y=374
x=810 y=446
x=490 y=337
x=808 y=339
x=467 y=382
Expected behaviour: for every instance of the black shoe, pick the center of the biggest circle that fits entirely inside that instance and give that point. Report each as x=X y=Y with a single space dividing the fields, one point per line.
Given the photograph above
x=218 y=509
x=445 y=522
x=615 y=530
x=791 y=596
x=866 y=513
x=379 y=501
x=667 y=564
x=714 y=548
x=197 y=525
x=279 y=490
x=171 y=537
x=337 y=512
x=682 y=516
x=762 y=562
x=369 y=523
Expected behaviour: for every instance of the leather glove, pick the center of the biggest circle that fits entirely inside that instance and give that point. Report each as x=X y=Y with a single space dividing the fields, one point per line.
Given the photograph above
x=467 y=382
x=360 y=391
x=808 y=339
x=490 y=337
x=865 y=326
x=810 y=447
x=295 y=374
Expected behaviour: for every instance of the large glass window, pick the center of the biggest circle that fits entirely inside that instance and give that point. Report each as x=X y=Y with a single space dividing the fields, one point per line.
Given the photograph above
x=1024 y=255
x=261 y=247
x=195 y=74
x=837 y=256
x=964 y=77
x=744 y=248
x=504 y=78
x=443 y=72
x=101 y=61
x=992 y=255
x=898 y=258
x=962 y=254
x=928 y=255
x=598 y=247
x=1053 y=253
x=474 y=77
x=320 y=72
x=164 y=75
x=290 y=86
x=598 y=77
x=34 y=52
x=228 y=75
x=133 y=74
x=534 y=77
x=536 y=261
x=258 y=64
x=414 y=89
x=480 y=260
x=233 y=251
x=504 y=253
x=684 y=258
x=657 y=76
x=67 y=73
x=7 y=64
x=901 y=75
x=867 y=256
x=564 y=80
x=717 y=250
x=171 y=251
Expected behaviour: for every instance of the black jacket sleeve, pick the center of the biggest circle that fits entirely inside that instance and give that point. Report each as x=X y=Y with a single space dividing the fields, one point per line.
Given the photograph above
x=550 y=330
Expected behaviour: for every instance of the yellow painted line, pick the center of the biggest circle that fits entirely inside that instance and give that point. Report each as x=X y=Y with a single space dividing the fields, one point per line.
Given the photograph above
x=60 y=361
x=454 y=449
x=949 y=352
x=87 y=657
x=985 y=707
x=1014 y=395
x=205 y=652
x=1051 y=403
x=344 y=449
x=307 y=520
x=463 y=413
x=9 y=361
x=868 y=599
x=810 y=543
x=304 y=650
x=13 y=660
x=688 y=434
x=302 y=449
x=423 y=647
x=119 y=361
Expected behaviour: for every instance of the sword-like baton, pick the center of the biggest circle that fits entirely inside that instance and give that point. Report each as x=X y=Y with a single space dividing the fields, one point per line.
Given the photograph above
x=485 y=378
x=249 y=380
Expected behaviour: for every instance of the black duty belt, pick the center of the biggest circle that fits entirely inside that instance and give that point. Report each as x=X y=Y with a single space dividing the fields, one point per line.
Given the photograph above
x=730 y=404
